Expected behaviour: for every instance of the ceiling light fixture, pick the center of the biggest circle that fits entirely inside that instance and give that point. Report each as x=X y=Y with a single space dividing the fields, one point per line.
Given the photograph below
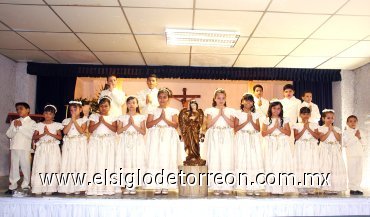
x=210 y=38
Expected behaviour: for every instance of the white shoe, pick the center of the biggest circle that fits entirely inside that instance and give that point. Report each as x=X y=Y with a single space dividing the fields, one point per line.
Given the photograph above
x=126 y=192
x=164 y=191
x=157 y=191
x=225 y=192
x=257 y=193
x=133 y=192
x=77 y=192
x=18 y=194
x=216 y=192
x=249 y=193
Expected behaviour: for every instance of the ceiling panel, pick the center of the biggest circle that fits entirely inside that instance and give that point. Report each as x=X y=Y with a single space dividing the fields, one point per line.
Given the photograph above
x=240 y=21
x=304 y=6
x=94 y=19
x=84 y=2
x=288 y=25
x=301 y=62
x=157 y=43
x=255 y=5
x=170 y=59
x=10 y=40
x=356 y=7
x=257 y=61
x=216 y=60
x=315 y=47
x=344 y=27
x=28 y=56
x=54 y=41
x=31 y=2
x=109 y=42
x=77 y=57
x=155 y=20
x=31 y=18
x=120 y=58
x=158 y=3
x=271 y=46
x=221 y=50
x=361 y=49
x=344 y=63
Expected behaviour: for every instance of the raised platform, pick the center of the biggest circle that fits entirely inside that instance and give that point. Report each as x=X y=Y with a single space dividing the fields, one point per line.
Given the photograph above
x=146 y=204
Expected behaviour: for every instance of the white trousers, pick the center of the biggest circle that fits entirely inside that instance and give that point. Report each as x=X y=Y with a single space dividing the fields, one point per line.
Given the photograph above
x=354 y=173
x=22 y=159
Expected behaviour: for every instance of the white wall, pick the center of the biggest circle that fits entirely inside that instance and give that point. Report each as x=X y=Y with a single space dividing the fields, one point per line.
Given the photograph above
x=343 y=97
x=25 y=86
x=362 y=94
x=15 y=85
x=352 y=95
x=7 y=90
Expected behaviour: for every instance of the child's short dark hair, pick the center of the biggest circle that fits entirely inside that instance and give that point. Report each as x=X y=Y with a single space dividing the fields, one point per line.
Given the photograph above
x=306 y=91
x=152 y=76
x=288 y=86
x=111 y=75
x=24 y=104
x=257 y=86
x=352 y=116
x=305 y=110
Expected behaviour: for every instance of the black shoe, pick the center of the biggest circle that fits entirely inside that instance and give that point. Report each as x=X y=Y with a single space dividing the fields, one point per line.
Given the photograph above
x=359 y=193
x=352 y=192
x=9 y=192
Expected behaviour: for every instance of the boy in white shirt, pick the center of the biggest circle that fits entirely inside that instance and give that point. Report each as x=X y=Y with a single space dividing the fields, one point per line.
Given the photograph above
x=148 y=98
x=354 y=142
x=261 y=104
x=118 y=96
x=291 y=104
x=307 y=102
x=20 y=134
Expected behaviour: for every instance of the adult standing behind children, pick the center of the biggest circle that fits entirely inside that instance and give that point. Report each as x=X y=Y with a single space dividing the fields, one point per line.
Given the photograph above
x=118 y=96
x=148 y=99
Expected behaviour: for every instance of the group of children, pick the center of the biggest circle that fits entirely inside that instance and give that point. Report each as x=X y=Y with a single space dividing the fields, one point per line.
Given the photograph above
x=238 y=141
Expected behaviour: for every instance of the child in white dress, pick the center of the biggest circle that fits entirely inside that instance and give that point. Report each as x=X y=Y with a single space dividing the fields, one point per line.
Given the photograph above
x=355 y=144
x=101 y=150
x=219 y=140
x=162 y=143
x=130 y=151
x=331 y=160
x=74 y=150
x=47 y=155
x=278 y=156
x=248 y=153
x=306 y=153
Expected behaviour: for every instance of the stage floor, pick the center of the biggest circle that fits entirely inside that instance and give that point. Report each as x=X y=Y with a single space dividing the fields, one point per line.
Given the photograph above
x=145 y=203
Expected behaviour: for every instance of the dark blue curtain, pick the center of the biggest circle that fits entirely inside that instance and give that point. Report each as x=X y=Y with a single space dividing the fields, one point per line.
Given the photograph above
x=55 y=90
x=185 y=72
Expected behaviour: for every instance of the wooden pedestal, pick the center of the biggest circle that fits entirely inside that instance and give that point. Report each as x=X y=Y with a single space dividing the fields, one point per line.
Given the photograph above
x=195 y=187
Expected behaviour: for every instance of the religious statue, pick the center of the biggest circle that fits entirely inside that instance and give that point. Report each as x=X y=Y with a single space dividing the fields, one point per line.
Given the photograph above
x=190 y=122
